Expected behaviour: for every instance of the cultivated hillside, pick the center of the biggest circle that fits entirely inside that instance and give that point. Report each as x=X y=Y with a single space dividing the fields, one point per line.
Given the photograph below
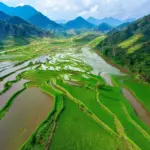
x=131 y=47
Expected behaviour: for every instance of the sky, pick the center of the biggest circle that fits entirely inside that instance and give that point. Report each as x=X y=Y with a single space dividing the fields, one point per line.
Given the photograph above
x=70 y=9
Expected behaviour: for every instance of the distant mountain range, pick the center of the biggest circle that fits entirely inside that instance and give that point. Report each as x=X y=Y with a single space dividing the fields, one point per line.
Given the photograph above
x=61 y=21
x=30 y=14
x=120 y=27
x=78 y=23
x=24 y=12
x=110 y=21
x=17 y=27
x=42 y=21
x=104 y=27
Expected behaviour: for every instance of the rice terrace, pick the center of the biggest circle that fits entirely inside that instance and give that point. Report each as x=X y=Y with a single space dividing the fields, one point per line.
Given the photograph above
x=74 y=89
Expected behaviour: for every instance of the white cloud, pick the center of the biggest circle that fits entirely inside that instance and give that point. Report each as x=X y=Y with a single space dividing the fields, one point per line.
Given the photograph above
x=94 y=8
x=21 y=4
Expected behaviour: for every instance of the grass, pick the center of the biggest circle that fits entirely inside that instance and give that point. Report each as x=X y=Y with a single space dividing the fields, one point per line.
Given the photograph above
x=89 y=116
x=135 y=48
x=96 y=41
x=113 y=99
x=131 y=41
x=140 y=89
x=75 y=125
x=89 y=100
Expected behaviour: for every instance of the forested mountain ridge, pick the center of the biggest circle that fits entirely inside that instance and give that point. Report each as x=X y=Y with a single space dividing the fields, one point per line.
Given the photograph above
x=17 y=27
x=104 y=27
x=78 y=23
x=24 y=12
x=42 y=21
x=131 y=47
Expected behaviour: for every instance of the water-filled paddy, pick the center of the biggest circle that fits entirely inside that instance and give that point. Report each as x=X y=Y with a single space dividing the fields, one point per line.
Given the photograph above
x=139 y=108
x=28 y=110
x=66 y=73
x=4 y=97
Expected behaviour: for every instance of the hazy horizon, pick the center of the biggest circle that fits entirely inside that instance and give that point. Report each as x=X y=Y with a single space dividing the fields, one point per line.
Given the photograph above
x=70 y=9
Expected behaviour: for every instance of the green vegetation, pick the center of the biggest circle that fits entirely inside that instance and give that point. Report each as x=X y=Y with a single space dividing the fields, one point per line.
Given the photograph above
x=140 y=89
x=96 y=41
x=131 y=41
x=130 y=47
x=86 y=113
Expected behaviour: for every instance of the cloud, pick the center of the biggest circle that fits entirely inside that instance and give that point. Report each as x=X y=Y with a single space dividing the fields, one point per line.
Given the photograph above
x=69 y=9
x=21 y=4
x=94 y=8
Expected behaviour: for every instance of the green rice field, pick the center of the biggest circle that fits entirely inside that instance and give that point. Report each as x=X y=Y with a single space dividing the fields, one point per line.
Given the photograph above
x=80 y=102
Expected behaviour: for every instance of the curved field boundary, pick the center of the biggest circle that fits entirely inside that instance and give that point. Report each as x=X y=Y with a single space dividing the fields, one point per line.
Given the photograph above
x=52 y=118
x=146 y=135
x=9 y=83
x=4 y=110
x=86 y=110
x=119 y=127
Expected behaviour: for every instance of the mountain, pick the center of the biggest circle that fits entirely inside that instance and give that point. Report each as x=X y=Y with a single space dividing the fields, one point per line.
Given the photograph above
x=131 y=47
x=12 y=19
x=17 y=20
x=111 y=21
x=4 y=16
x=30 y=14
x=24 y=12
x=104 y=27
x=78 y=23
x=129 y=20
x=17 y=27
x=120 y=27
x=23 y=30
x=42 y=21
x=93 y=20
x=61 y=21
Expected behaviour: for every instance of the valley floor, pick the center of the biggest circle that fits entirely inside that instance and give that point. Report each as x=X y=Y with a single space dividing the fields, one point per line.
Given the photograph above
x=58 y=94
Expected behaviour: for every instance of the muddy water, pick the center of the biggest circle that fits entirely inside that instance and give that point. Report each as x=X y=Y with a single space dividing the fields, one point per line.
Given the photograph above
x=41 y=59
x=28 y=110
x=139 y=108
x=98 y=63
x=6 y=65
x=9 y=93
x=13 y=76
x=13 y=69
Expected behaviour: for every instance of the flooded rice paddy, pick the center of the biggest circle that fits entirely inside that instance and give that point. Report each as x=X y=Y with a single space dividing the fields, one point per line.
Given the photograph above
x=29 y=109
x=139 y=108
x=12 y=90
x=32 y=106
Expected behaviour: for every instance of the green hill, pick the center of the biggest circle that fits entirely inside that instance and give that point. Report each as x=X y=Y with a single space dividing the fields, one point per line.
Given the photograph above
x=131 y=47
x=120 y=27
x=78 y=23
x=24 y=12
x=42 y=21
x=104 y=27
